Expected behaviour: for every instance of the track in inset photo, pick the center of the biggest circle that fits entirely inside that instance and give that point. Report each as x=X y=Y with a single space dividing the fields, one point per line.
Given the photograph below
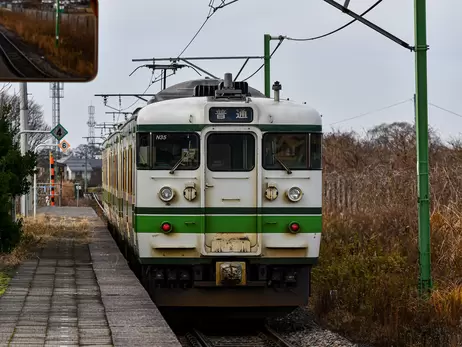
x=17 y=61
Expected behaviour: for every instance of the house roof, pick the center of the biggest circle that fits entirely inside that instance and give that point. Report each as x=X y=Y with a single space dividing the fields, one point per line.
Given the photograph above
x=79 y=168
x=78 y=164
x=96 y=163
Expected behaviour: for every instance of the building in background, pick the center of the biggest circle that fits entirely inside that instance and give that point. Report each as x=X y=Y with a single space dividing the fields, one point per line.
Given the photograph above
x=74 y=170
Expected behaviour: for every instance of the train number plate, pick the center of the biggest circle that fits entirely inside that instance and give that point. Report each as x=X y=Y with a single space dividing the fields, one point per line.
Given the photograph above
x=230 y=246
x=231 y=273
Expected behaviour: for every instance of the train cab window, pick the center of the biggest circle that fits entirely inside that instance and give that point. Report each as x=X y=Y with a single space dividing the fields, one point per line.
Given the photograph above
x=170 y=149
x=316 y=151
x=231 y=152
x=143 y=147
x=294 y=151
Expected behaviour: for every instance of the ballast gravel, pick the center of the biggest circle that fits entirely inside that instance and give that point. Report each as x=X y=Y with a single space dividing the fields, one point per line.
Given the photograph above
x=300 y=329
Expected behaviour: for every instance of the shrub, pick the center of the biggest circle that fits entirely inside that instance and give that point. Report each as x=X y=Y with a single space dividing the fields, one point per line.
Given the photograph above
x=366 y=284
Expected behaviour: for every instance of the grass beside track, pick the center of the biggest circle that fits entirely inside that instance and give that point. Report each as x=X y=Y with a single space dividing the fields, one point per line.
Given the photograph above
x=366 y=284
x=76 y=54
x=4 y=279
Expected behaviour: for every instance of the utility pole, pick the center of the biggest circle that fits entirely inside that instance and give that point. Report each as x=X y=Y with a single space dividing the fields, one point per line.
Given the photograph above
x=56 y=94
x=91 y=125
x=86 y=179
x=425 y=280
x=57 y=24
x=23 y=120
x=421 y=103
x=267 y=59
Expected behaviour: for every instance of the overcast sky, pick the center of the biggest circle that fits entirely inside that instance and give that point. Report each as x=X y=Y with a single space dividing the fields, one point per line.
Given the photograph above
x=344 y=75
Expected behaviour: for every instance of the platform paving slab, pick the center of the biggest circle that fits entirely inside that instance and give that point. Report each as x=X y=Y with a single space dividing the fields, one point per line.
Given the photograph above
x=74 y=294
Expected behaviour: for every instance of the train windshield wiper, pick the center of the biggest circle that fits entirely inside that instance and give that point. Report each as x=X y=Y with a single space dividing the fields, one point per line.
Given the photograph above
x=178 y=163
x=289 y=171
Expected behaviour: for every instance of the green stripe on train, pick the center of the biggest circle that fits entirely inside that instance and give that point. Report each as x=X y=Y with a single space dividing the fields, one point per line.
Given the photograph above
x=198 y=127
x=226 y=224
x=228 y=210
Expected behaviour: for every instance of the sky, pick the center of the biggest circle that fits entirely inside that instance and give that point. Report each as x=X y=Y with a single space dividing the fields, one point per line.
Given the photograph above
x=343 y=76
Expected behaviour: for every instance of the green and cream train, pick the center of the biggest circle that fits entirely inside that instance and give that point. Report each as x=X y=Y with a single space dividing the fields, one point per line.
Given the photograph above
x=214 y=192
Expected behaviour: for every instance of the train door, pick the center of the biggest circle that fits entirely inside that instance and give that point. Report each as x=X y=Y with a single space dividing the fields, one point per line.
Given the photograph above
x=231 y=193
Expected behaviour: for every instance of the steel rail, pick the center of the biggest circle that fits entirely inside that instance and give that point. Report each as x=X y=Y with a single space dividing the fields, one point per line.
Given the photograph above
x=11 y=53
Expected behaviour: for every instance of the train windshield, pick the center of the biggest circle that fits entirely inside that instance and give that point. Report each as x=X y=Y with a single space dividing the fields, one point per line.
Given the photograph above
x=161 y=151
x=297 y=151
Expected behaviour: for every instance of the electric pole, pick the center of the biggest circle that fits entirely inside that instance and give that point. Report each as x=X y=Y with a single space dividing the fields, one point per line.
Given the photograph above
x=56 y=94
x=421 y=104
x=423 y=185
x=23 y=120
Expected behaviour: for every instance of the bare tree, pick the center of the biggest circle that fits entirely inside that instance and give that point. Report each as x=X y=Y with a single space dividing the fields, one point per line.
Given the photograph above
x=36 y=119
x=92 y=151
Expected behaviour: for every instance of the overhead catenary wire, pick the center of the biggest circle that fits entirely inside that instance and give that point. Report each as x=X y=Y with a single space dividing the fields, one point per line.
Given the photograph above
x=151 y=82
x=212 y=11
x=261 y=67
x=374 y=111
x=315 y=37
x=396 y=104
x=446 y=110
x=336 y=30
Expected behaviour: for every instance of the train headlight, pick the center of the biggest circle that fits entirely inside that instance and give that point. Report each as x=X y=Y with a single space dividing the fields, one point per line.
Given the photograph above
x=166 y=194
x=294 y=194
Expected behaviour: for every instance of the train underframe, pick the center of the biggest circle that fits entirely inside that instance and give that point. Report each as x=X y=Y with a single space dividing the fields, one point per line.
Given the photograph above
x=279 y=287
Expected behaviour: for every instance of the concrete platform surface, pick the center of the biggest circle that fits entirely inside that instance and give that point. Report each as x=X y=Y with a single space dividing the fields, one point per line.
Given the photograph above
x=75 y=294
x=68 y=211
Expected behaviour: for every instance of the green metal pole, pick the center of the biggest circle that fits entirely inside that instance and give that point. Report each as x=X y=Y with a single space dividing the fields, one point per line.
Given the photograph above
x=425 y=280
x=57 y=24
x=267 y=59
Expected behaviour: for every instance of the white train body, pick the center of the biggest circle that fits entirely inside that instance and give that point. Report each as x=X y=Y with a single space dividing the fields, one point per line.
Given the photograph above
x=208 y=186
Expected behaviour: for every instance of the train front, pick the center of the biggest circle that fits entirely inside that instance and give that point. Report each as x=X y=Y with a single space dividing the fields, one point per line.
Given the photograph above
x=229 y=205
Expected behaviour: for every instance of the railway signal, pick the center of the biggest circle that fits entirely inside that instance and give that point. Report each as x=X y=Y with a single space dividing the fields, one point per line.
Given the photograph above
x=59 y=132
x=64 y=145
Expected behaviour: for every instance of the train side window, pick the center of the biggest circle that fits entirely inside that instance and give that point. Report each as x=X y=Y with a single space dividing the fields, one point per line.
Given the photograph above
x=143 y=149
x=286 y=149
x=315 y=151
x=231 y=152
x=171 y=148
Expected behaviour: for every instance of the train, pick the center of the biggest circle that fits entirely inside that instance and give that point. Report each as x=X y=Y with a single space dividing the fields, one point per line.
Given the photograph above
x=213 y=192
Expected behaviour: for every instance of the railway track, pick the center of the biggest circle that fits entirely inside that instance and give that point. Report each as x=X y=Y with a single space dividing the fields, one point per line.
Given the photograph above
x=263 y=337
x=218 y=333
x=17 y=61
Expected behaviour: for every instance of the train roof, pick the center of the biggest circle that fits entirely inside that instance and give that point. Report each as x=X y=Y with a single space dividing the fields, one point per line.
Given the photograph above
x=188 y=89
x=197 y=96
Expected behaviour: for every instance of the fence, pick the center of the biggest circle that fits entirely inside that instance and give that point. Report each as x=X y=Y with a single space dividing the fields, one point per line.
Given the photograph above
x=364 y=192
x=83 y=23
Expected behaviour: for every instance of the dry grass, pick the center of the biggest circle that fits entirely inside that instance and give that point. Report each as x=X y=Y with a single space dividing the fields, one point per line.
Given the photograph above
x=68 y=196
x=76 y=53
x=366 y=284
x=4 y=279
x=37 y=232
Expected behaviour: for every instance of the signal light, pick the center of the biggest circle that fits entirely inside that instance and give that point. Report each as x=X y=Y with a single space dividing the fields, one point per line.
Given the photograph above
x=166 y=227
x=294 y=227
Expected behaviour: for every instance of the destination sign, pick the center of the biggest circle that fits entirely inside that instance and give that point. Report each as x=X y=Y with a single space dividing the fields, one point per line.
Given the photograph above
x=231 y=115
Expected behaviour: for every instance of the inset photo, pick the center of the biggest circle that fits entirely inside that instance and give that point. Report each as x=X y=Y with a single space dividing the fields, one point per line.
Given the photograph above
x=48 y=40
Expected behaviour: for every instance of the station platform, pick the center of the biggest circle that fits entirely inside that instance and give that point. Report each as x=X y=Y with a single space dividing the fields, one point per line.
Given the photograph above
x=80 y=294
